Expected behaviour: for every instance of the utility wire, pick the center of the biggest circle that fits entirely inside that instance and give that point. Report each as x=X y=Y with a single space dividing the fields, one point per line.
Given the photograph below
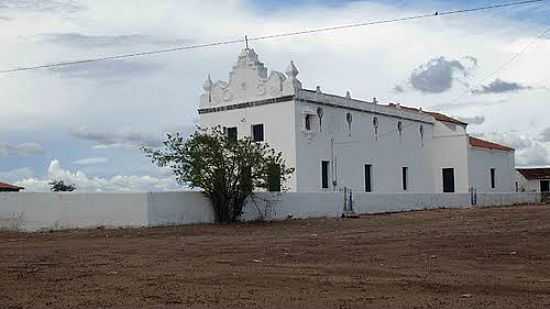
x=501 y=68
x=271 y=36
x=498 y=70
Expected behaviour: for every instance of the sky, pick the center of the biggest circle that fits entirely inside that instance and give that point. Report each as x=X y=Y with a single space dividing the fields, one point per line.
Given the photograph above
x=86 y=123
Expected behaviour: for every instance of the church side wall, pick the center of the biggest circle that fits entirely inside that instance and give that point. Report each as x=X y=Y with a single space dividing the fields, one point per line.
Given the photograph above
x=481 y=162
x=387 y=151
x=450 y=150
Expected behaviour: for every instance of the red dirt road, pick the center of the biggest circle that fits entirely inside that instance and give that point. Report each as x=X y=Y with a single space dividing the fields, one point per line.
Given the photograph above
x=472 y=258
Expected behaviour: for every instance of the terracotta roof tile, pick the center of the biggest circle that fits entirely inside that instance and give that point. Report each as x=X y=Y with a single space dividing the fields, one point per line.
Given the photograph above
x=6 y=186
x=437 y=116
x=443 y=117
x=535 y=173
x=477 y=142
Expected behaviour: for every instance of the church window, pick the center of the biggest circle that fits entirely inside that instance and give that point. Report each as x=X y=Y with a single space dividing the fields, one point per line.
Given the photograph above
x=231 y=133
x=421 y=134
x=349 y=119
x=258 y=132
x=308 y=122
x=324 y=174
x=320 y=115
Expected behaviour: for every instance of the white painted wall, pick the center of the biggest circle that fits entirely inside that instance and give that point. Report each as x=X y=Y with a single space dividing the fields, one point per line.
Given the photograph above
x=450 y=150
x=249 y=80
x=34 y=211
x=278 y=127
x=45 y=211
x=480 y=162
x=507 y=198
x=169 y=208
x=280 y=206
x=251 y=96
x=387 y=151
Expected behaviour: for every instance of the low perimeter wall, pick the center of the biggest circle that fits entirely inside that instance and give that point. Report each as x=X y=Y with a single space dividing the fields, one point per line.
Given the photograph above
x=52 y=211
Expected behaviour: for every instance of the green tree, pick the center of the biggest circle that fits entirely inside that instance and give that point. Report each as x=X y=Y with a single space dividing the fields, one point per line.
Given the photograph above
x=227 y=170
x=60 y=186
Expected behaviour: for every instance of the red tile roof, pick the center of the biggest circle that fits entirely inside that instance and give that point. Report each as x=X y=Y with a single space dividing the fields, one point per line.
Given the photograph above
x=443 y=117
x=535 y=173
x=479 y=143
x=437 y=116
x=5 y=186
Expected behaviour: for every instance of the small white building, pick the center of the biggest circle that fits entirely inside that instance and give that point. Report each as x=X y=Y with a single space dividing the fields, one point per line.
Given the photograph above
x=533 y=179
x=338 y=141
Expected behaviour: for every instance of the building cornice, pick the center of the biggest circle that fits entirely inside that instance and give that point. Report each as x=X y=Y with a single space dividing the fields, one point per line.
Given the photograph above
x=246 y=104
x=310 y=96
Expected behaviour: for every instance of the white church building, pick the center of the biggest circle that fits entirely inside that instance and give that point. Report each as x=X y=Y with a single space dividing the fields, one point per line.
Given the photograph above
x=337 y=142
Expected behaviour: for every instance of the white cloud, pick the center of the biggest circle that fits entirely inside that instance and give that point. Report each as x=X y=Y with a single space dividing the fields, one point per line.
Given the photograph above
x=536 y=155
x=157 y=92
x=40 y=5
x=512 y=139
x=17 y=174
x=545 y=135
x=26 y=149
x=439 y=74
x=91 y=161
x=117 y=139
x=80 y=40
x=500 y=86
x=85 y=183
x=125 y=138
x=529 y=151
x=472 y=120
x=107 y=71
x=338 y=61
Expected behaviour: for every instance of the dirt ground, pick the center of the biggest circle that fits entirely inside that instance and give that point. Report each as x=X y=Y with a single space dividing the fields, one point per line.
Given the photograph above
x=471 y=258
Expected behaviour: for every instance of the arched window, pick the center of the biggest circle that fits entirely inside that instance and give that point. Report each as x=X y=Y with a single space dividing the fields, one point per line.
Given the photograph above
x=308 y=122
x=421 y=129
x=375 y=125
x=320 y=115
x=349 y=119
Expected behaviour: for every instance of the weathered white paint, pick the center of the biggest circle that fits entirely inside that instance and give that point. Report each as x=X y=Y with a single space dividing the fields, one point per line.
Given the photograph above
x=342 y=132
x=349 y=150
x=279 y=134
x=279 y=206
x=45 y=211
x=34 y=211
x=507 y=198
x=249 y=81
x=450 y=150
x=480 y=162
x=168 y=208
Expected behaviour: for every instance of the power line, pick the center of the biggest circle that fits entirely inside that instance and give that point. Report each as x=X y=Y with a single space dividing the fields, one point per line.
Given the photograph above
x=501 y=68
x=271 y=36
x=498 y=70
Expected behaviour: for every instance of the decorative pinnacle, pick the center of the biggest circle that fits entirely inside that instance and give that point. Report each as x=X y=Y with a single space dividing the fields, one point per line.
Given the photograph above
x=292 y=71
x=207 y=86
x=348 y=95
